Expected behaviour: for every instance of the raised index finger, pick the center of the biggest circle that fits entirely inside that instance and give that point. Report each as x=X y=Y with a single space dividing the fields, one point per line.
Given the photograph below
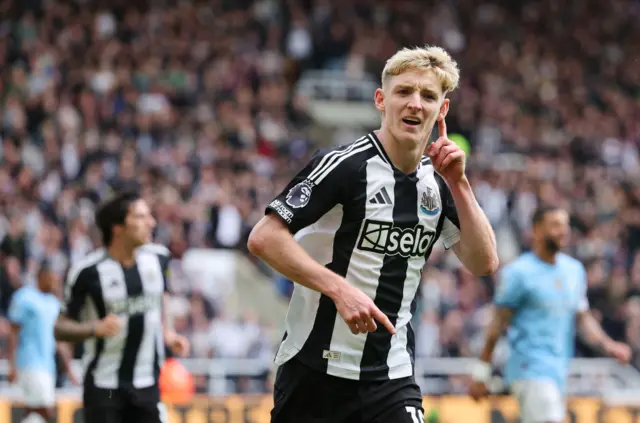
x=442 y=128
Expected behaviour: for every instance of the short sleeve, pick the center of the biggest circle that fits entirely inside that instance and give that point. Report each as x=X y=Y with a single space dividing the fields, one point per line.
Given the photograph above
x=75 y=292
x=511 y=289
x=450 y=233
x=17 y=309
x=314 y=191
x=583 y=301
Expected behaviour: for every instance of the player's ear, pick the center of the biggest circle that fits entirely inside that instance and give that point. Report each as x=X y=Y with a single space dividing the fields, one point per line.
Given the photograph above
x=444 y=109
x=379 y=99
x=117 y=229
x=535 y=229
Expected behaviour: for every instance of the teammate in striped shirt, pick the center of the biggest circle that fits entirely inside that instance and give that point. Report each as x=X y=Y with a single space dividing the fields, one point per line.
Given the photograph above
x=113 y=301
x=353 y=229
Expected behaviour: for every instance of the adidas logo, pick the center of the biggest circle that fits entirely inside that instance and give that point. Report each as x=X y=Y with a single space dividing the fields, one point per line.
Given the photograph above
x=381 y=197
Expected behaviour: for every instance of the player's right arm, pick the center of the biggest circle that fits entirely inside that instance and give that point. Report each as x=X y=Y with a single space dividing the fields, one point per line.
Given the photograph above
x=508 y=298
x=590 y=330
x=312 y=193
x=69 y=326
x=66 y=357
x=16 y=317
x=13 y=346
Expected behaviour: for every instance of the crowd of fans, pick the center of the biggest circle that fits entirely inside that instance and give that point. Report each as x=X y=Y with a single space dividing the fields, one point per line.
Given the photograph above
x=194 y=103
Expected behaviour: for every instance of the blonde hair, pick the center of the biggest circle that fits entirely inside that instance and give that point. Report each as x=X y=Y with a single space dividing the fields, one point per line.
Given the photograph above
x=428 y=57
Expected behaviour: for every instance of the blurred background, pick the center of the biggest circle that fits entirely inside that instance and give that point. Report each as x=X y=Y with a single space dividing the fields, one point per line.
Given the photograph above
x=210 y=107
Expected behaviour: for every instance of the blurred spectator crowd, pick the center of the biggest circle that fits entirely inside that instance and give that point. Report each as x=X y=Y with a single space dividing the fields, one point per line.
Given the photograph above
x=194 y=103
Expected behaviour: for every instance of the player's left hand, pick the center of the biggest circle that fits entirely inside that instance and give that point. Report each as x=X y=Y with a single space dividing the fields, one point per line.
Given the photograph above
x=447 y=158
x=13 y=375
x=73 y=379
x=179 y=344
x=478 y=391
x=619 y=351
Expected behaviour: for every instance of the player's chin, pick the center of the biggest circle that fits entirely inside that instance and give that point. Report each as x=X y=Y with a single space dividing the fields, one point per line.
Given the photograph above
x=410 y=136
x=144 y=240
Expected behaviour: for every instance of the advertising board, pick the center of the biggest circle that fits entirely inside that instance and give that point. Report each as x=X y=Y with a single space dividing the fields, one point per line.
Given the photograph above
x=256 y=409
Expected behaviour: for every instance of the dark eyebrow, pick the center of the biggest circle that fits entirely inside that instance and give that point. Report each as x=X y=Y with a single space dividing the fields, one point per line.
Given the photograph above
x=423 y=90
x=430 y=92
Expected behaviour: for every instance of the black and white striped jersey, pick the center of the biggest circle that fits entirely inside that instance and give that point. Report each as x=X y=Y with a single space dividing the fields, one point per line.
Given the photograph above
x=367 y=221
x=98 y=285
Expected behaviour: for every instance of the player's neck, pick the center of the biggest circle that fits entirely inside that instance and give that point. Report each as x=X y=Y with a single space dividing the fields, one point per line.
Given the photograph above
x=545 y=255
x=403 y=158
x=122 y=253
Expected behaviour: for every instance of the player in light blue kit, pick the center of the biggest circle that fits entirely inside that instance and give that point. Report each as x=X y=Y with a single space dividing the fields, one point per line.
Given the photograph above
x=540 y=299
x=33 y=312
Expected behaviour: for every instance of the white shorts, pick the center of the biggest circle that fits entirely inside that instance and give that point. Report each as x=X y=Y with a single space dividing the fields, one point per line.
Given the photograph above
x=540 y=401
x=38 y=389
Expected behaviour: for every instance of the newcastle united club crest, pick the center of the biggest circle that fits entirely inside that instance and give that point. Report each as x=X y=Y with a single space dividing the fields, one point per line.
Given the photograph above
x=429 y=203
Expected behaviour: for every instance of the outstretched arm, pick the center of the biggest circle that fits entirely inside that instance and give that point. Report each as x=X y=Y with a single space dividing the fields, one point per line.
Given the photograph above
x=592 y=333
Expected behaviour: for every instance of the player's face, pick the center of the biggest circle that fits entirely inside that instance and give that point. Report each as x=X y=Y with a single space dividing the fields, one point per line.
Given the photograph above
x=47 y=281
x=139 y=223
x=554 y=230
x=410 y=104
